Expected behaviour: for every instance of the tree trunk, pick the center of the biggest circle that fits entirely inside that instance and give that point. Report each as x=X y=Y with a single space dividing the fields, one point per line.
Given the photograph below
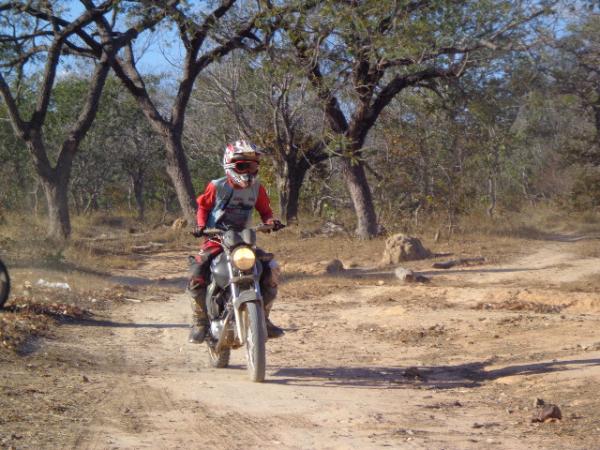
x=596 y=107
x=77 y=203
x=59 y=223
x=92 y=204
x=20 y=172
x=291 y=214
x=492 y=195
x=178 y=171
x=493 y=177
x=290 y=178
x=360 y=193
x=138 y=192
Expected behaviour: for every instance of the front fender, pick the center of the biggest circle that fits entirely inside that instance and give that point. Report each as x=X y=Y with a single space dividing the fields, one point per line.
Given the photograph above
x=245 y=296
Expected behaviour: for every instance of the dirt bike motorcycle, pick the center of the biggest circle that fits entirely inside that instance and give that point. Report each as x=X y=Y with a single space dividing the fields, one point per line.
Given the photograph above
x=4 y=284
x=234 y=302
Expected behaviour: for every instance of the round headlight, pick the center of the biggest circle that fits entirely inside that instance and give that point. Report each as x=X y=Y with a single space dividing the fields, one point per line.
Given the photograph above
x=243 y=258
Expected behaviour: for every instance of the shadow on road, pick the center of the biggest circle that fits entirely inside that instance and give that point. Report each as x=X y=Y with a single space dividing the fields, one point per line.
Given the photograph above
x=112 y=324
x=389 y=274
x=469 y=271
x=467 y=375
x=179 y=282
x=566 y=237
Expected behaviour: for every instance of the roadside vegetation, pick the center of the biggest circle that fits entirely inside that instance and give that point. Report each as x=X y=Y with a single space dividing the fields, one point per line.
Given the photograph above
x=474 y=126
x=457 y=123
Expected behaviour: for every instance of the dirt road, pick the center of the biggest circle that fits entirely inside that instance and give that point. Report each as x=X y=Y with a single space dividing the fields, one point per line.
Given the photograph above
x=366 y=363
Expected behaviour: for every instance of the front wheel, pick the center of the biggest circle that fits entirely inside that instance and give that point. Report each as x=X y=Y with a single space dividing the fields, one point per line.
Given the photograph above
x=4 y=284
x=255 y=341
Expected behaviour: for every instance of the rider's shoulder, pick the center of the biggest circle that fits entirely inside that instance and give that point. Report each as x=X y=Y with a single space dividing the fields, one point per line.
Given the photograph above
x=219 y=181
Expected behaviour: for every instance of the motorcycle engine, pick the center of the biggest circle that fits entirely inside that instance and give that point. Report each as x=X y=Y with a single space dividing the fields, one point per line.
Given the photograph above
x=216 y=326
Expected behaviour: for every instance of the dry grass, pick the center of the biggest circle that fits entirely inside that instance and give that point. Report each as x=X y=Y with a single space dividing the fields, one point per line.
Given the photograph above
x=535 y=223
x=589 y=248
x=99 y=242
x=521 y=305
x=102 y=243
x=589 y=283
x=34 y=310
x=289 y=246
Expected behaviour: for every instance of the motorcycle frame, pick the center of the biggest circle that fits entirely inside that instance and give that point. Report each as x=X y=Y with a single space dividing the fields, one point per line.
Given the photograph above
x=238 y=299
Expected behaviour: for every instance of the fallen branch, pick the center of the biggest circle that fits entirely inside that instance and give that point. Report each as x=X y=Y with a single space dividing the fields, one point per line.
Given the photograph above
x=457 y=262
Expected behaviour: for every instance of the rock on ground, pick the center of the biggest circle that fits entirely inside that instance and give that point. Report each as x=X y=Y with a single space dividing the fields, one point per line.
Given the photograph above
x=547 y=413
x=334 y=266
x=332 y=229
x=408 y=276
x=326 y=267
x=401 y=247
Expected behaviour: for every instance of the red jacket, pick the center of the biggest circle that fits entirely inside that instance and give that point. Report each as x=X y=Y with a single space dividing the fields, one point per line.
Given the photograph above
x=206 y=202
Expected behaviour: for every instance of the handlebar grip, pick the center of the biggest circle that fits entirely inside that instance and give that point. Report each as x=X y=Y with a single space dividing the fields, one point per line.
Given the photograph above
x=212 y=231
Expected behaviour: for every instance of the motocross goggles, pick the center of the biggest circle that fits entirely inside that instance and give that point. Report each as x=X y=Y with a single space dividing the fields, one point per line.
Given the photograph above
x=245 y=166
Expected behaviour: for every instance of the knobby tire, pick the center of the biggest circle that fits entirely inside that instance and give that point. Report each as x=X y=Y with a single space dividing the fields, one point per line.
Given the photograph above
x=4 y=284
x=219 y=360
x=255 y=341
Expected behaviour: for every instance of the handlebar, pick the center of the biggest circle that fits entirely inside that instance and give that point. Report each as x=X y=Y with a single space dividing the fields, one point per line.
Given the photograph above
x=262 y=228
x=212 y=232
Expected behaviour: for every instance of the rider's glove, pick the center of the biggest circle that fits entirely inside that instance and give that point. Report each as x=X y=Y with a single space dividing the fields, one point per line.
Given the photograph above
x=198 y=231
x=277 y=225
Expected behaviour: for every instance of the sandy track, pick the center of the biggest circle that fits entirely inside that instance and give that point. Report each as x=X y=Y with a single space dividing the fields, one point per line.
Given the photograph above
x=339 y=380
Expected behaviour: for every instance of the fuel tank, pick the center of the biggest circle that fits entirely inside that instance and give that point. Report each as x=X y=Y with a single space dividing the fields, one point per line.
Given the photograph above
x=219 y=270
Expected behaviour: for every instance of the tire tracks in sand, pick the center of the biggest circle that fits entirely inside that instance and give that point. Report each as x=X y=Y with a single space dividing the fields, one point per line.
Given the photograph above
x=350 y=393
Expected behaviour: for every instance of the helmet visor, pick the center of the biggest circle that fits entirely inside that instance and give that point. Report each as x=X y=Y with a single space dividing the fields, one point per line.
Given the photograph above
x=245 y=167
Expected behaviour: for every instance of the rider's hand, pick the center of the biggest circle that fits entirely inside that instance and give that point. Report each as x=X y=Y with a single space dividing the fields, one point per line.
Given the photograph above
x=198 y=231
x=277 y=225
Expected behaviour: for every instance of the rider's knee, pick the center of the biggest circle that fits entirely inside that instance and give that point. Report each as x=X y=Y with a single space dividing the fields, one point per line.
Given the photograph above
x=269 y=294
x=272 y=274
x=199 y=267
x=270 y=281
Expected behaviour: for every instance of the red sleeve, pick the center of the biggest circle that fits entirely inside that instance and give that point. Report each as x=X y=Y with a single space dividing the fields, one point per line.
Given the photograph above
x=206 y=202
x=263 y=204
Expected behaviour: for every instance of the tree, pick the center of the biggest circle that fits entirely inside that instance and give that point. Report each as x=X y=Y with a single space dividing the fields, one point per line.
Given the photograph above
x=359 y=55
x=23 y=43
x=15 y=172
x=120 y=149
x=205 y=37
x=575 y=66
x=274 y=108
x=33 y=29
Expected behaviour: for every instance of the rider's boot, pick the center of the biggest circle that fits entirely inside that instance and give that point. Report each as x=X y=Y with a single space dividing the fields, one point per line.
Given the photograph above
x=269 y=282
x=273 y=331
x=199 y=318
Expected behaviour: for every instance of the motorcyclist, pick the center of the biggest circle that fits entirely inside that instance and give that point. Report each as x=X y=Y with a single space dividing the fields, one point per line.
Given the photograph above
x=228 y=202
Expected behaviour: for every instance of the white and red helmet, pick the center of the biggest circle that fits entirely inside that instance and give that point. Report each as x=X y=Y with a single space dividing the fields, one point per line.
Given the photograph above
x=241 y=160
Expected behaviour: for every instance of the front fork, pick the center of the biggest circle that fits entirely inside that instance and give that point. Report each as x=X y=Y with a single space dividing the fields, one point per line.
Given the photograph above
x=237 y=304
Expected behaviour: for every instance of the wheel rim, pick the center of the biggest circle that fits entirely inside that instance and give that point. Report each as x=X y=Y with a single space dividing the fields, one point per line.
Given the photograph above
x=250 y=342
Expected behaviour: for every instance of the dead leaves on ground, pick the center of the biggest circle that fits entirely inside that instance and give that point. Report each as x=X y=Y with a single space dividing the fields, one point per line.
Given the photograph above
x=26 y=318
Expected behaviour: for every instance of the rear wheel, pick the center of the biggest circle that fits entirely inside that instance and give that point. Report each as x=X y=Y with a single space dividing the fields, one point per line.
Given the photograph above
x=4 y=284
x=255 y=341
